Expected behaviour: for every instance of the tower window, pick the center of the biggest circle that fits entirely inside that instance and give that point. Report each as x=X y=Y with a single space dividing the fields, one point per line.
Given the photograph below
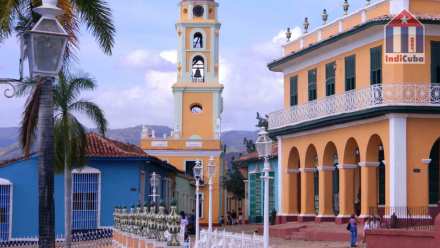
x=198 y=69
x=196 y=108
x=198 y=11
x=198 y=40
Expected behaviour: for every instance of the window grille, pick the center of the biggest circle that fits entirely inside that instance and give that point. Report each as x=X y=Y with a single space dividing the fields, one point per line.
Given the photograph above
x=330 y=78
x=350 y=73
x=312 y=85
x=5 y=209
x=294 y=91
x=376 y=65
x=85 y=200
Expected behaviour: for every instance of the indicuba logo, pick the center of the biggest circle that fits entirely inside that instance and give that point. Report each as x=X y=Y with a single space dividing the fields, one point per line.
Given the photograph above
x=404 y=40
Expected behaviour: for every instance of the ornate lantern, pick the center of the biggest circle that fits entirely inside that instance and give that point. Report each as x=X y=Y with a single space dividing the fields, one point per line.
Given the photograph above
x=173 y=227
x=324 y=16
x=263 y=144
x=306 y=25
x=197 y=170
x=46 y=42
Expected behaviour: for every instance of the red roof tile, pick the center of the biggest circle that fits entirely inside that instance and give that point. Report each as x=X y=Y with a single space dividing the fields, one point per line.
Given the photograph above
x=98 y=146
x=254 y=156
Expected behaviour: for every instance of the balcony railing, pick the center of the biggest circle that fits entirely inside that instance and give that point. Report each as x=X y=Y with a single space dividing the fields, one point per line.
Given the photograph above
x=401 y=94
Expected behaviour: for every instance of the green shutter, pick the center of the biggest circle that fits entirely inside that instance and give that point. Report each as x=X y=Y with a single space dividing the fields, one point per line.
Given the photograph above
x=376 y=65
x=350 y=73
x=330 y=79
x=312 y=84
x=294 y=91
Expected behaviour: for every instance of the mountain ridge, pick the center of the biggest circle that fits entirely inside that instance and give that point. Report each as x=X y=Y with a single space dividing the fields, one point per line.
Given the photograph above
x=233 y=139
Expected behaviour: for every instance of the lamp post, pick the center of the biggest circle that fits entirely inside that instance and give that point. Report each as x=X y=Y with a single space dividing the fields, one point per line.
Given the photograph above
x=211 y=173
x=45 y=46
x=197 y=171
x=264 y=149
x=154 y=183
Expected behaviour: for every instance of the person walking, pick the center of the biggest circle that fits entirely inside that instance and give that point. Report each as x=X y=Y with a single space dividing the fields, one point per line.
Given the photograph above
x=367 y=226
x=352 y=227
x=183 y=224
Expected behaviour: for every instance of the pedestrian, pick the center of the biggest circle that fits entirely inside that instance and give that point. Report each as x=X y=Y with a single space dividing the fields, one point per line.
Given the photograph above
x=183 y=224
x=352 y=227
x=367 y=226
x=234 y=217
x=240 y=216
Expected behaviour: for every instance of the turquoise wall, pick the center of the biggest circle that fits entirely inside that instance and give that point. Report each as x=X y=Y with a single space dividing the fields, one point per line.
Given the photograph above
x=273 y=197
x=120 y=183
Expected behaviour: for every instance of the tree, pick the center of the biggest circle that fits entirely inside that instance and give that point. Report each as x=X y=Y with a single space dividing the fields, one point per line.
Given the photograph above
x=234 y=184
x=70 y=134
x=70 y=140
x=18 y=16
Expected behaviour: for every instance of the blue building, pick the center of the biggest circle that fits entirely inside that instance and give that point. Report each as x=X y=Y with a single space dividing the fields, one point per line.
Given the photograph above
x=251 y=166
x=116 y=174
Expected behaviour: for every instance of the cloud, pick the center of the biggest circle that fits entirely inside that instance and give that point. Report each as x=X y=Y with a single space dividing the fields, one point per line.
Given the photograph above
x=169 y=55
x=148 y=99
x=148 y=59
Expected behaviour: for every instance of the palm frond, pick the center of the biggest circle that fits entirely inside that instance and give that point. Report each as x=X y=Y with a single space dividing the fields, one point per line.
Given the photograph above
x=70 y=143
x=93 y=112
x=29 y=121
x=25 y=88
x=71 y=24
x=98 y=17
x=77 y=84
x=7 y=15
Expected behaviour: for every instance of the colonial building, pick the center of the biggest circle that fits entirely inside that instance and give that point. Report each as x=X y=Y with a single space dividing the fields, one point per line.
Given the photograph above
x=251 y=166
x=116 y=174
x=360 y=126
x=197 y=100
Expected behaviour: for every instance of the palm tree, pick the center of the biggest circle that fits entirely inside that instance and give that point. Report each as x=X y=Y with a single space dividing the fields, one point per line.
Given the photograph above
x=18 y=16
x=69 y=134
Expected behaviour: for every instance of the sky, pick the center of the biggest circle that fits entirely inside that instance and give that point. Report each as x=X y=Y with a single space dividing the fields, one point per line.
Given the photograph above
x=134 y=84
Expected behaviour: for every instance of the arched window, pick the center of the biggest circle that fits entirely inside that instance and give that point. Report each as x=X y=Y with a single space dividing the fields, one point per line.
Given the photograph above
x=198 y=69
x=434 y=174
x=198 y=40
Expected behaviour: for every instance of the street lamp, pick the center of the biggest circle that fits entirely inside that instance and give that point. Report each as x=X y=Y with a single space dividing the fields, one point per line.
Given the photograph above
x=264 y=149
x=211 y=173
x=154 y=183
x=197 y=171
x=45 y=44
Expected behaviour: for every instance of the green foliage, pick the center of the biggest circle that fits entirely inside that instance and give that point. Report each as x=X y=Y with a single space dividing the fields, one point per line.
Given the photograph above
x=234 y=184
x=17 y=15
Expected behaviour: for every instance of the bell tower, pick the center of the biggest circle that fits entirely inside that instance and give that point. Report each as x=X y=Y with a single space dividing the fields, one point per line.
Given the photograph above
x=197 y=92
x=197 y=103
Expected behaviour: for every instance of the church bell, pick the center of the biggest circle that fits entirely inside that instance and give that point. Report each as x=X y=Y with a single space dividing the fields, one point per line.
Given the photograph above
x=198 y=74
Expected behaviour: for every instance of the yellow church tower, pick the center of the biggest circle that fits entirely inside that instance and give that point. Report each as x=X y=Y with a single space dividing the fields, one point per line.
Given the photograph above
x=197 y=100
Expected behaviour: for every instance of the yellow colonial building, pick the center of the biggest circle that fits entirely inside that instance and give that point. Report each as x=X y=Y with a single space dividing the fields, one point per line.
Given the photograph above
x=197 y=100
x=360 y=126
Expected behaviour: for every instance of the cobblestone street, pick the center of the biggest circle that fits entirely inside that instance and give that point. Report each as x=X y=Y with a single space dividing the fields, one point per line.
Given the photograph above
x=281 y=243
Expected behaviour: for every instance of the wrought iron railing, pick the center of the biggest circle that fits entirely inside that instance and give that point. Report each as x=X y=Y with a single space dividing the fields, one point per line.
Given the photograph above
x=228 y=239
x=101 y=238
x=414 y=218
x=400 y=94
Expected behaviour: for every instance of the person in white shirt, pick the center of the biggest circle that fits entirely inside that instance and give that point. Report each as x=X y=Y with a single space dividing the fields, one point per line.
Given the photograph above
x=367 y=226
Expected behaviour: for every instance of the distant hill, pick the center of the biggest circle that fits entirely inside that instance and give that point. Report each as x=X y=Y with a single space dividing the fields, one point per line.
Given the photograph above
x=9 y=147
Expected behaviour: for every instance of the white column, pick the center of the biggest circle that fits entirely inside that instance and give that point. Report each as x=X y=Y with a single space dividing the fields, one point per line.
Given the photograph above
x=210 y=205
x=398 y=166
x=266 y=179
x=197 y=213
x=280 y=175
x=190 y=11
x=396 y=6
x=178 y=101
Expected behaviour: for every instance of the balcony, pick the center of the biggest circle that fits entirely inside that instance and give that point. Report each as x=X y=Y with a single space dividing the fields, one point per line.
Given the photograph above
x=375 y=96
